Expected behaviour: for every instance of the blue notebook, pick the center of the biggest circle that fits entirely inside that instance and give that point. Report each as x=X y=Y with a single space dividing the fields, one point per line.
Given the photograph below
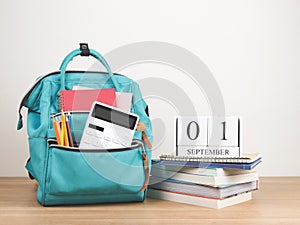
x=240 y=166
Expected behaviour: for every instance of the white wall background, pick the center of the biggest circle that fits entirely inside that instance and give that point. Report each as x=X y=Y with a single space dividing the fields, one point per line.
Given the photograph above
x=251 y=47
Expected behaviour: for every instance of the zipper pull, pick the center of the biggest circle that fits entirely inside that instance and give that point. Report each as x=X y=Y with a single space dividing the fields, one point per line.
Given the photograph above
x=146 y=171
x=144 y=135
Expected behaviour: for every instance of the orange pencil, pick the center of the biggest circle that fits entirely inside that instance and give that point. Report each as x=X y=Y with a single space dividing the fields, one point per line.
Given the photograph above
x=56 y=130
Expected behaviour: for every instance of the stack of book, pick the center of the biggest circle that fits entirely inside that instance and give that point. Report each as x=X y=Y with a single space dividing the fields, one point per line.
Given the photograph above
x=208 y=182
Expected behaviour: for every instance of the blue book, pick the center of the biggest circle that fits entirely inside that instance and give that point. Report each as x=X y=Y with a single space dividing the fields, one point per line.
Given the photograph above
x=240 y=166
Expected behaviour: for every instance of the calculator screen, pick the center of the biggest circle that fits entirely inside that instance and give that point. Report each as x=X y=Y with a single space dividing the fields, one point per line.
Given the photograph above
x=113 y=116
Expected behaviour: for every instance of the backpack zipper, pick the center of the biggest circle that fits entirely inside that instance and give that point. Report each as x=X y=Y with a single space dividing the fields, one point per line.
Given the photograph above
x=136 y=144
x=25 y=98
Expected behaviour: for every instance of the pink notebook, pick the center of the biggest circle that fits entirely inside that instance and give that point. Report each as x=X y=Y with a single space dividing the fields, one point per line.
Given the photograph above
x=82 y=100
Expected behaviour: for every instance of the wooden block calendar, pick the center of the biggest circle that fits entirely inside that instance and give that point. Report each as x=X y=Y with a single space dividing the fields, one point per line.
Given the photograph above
x=205 y=136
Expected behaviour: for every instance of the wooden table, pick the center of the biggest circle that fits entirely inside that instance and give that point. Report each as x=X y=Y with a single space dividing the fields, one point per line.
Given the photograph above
x=277 y=202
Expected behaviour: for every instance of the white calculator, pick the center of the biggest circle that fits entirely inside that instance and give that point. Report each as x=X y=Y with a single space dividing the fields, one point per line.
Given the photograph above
x=108 y=127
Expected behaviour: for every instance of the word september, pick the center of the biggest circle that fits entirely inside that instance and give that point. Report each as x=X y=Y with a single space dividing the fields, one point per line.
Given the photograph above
x=207 y=152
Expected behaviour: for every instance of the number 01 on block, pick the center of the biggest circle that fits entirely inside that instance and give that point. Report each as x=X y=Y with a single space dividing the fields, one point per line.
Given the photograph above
x=208 y=137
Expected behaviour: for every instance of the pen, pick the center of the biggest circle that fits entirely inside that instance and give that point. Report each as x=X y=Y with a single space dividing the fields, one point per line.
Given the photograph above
x=71 y=143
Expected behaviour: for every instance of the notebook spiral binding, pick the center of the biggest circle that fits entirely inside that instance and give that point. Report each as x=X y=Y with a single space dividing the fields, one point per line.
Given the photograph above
x=246 y=158
x=61 y=102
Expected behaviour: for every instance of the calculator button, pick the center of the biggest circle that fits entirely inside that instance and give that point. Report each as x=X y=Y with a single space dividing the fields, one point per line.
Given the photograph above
x=99 y=135
x=105 y=145
x=116 y=141
x=94 y=142
x=89 y=132
x=107 y=138
x=87 y=140
x=97 y=142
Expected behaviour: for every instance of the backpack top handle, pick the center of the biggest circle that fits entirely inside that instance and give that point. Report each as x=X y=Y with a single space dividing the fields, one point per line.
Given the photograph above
x=84 y=51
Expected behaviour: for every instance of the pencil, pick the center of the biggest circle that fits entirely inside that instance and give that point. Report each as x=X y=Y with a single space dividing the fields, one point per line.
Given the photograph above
x=62 y=135
x=56 y=130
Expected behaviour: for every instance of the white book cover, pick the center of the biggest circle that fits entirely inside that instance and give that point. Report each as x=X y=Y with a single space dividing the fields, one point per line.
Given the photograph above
x=203 y=171
x=199 y=201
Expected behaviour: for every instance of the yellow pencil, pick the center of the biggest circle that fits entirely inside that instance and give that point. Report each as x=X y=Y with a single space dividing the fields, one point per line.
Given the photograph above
x=62 y=135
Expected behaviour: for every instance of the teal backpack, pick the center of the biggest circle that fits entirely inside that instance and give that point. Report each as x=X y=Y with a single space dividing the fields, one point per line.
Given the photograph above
x=68 y=175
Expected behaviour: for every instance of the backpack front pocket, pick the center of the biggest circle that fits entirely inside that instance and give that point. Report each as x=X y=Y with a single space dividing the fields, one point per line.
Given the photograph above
x=71 y=172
